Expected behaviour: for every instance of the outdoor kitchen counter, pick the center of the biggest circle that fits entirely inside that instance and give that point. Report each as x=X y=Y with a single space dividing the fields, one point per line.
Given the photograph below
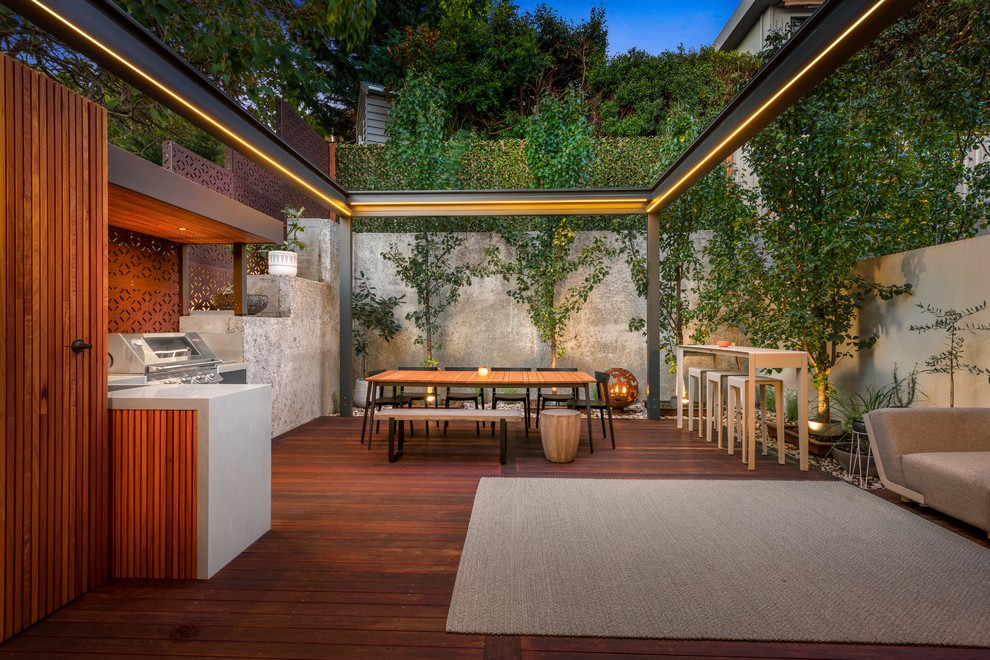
x=191 y=477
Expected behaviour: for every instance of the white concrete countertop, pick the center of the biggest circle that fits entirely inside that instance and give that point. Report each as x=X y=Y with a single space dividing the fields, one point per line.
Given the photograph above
x=175 y=397
x=234 y=474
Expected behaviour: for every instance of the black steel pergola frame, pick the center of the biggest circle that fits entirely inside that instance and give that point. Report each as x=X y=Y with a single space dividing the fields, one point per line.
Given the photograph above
x=108 y=35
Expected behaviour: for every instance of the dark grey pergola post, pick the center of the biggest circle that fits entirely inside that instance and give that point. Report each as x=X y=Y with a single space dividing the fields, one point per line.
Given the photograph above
x=345 y=259
x=653 y=315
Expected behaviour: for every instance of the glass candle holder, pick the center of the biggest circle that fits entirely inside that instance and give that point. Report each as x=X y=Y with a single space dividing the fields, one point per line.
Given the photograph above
x=482 y=371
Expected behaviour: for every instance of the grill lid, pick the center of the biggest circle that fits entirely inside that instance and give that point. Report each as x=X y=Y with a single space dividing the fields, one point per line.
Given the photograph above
x=154 y=352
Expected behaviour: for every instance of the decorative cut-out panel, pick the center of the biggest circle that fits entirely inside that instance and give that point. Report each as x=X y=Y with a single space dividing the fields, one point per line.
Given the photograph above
x=249 y=183
x=300 y=136
x=211 y=271
x=143 y=283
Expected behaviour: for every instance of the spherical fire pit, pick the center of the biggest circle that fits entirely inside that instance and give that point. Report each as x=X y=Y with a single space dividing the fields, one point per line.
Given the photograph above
x=623 y=388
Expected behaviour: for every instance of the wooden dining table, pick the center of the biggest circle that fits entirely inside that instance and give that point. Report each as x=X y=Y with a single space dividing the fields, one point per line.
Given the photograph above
x=757 y=359
x=472 y=379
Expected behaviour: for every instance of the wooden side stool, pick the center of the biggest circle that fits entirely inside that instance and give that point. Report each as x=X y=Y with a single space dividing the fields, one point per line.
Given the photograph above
x=737 y=395
x=696 y=387
x=715 y=395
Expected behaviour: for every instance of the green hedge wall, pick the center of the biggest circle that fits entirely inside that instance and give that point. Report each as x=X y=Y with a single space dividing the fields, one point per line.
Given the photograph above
x=485 y=165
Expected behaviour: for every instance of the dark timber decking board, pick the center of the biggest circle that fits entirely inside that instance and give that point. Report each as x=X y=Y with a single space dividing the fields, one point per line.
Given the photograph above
x=361 y=559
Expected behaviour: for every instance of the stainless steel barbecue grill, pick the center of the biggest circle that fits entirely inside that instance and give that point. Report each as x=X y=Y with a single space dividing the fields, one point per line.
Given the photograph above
x=164 y=357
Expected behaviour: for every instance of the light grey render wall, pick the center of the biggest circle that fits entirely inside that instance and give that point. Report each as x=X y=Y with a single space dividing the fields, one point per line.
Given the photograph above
x=487 y=327
x=953 y=275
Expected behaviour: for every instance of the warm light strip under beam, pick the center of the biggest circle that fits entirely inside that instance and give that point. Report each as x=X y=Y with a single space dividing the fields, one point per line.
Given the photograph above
x=852 y=28
x=333 y=202
x=505 y=202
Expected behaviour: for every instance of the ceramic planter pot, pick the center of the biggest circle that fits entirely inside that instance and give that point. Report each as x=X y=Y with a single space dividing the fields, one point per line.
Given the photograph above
x=282 y=263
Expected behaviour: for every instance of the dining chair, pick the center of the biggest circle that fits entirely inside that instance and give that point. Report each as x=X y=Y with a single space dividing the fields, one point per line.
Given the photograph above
x=556 y=398
x=511 y=397
x=475 y=394
x=422 y=395
x=394 y=401
x=602 y=403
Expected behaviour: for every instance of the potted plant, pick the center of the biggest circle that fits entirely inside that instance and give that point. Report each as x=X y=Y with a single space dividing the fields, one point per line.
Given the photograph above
x=899 y=393
x=283 y=258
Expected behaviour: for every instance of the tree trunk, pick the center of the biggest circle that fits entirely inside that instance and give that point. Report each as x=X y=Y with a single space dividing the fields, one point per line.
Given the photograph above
x=553 y=351
x=824 y=409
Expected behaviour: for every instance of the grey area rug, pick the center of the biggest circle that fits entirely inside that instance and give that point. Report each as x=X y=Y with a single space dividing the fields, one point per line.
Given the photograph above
x=727 y=560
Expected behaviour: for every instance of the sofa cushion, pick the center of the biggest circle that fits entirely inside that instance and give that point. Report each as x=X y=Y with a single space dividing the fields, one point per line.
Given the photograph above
x=956 y=482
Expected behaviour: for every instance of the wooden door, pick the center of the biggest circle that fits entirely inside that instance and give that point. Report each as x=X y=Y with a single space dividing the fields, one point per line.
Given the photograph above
x=54 y=459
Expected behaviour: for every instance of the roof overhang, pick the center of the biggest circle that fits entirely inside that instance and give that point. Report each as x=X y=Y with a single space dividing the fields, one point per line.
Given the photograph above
x=144 y=197
x=825 y=41
x=109 y=36
x=828 y=38
x=740 y=23
x=610 y=201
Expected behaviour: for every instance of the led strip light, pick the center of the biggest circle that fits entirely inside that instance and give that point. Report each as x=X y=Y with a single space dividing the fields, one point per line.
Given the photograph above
x=342 y=208
x=659 y=200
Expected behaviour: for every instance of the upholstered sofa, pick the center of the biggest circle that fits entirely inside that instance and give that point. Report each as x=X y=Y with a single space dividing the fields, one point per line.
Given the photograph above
x=939 y=457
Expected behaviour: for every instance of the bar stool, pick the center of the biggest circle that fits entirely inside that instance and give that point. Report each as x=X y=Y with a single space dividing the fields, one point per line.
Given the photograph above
x=695 y=385
x=715 y=395
x=737 y=393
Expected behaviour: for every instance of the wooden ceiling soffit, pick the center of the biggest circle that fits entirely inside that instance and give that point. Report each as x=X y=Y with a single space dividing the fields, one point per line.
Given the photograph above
x=145 y=198
x=608 y=201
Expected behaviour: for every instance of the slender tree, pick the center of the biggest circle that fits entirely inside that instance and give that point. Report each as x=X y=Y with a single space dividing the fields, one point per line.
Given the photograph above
x=416 y=154
x=715 y=197
x=558 y=152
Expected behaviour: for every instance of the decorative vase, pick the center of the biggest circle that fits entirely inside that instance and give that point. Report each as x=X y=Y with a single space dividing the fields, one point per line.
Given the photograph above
x=282 y=263
x=255 y=302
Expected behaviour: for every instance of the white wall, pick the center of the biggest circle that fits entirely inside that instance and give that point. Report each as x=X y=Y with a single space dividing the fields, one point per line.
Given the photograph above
x=954 y=275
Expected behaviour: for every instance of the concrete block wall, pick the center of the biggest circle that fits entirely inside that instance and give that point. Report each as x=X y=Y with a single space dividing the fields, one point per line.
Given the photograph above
x=296 y=352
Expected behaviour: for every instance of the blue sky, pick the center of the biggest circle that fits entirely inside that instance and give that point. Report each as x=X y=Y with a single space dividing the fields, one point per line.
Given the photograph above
x=653 y=26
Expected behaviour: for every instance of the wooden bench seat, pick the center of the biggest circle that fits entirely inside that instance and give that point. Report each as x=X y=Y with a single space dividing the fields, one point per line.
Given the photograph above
x=502 y=416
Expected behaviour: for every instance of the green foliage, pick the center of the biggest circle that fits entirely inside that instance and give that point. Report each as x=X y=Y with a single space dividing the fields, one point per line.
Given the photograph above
x=349 y=20
x=899 y=393
x=953 y=358
x=703 y=205
x=372 y=315
x=415 y=147
x=427 y=268
x=558 y=152
x=640 y=90
x=558 y=142
x=868 y=163
x=257 y=51
x=293 y=228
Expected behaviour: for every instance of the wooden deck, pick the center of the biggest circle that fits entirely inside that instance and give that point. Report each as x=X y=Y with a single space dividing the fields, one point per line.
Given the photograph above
x=362 y=557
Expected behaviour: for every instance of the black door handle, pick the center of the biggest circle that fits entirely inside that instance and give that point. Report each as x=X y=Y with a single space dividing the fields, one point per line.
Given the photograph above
x=78 y=346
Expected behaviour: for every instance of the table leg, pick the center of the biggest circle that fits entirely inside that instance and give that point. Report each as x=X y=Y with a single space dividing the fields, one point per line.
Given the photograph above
x=368 y=398
x=394 y=455
x=587 y=411
x=502 y=440
x=802 y=378
x=749 y=428
x=678 y=380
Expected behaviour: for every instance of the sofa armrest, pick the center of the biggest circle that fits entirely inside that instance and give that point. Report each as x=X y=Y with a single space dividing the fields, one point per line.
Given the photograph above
x=896 y=432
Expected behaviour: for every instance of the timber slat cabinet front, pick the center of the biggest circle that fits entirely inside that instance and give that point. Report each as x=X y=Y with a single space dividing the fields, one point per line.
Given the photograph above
x=191 y=477
x=153 y=481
